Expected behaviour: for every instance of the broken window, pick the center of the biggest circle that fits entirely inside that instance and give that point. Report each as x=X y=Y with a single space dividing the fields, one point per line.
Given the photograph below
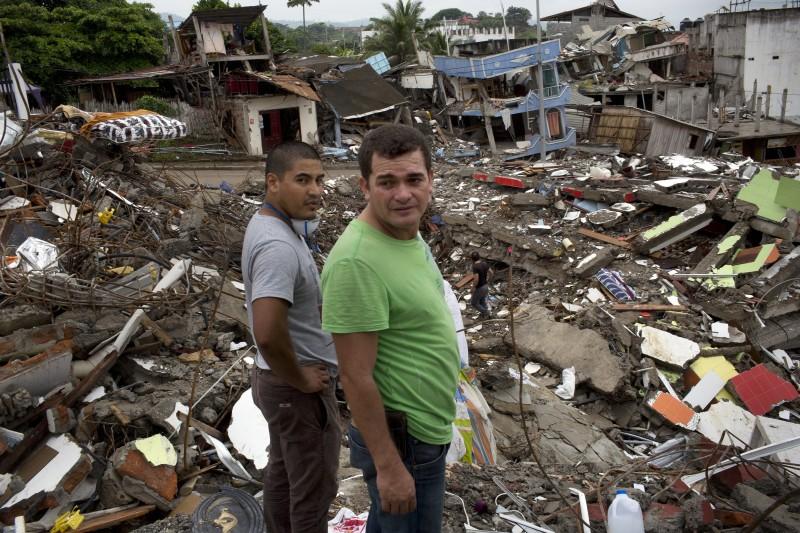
x=693 y=141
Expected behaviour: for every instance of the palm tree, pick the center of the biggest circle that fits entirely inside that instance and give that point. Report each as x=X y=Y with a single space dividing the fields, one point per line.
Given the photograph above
x=397 y=28
x=435 y=42
x=303 y=3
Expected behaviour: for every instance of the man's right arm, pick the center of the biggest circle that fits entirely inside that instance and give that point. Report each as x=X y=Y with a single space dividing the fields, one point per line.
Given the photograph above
x=271 y=332
x=357 y=355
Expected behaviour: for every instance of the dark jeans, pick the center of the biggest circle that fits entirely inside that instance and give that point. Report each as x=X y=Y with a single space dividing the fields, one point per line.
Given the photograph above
x=426 y=464
x=479 y=299
x=300 y=480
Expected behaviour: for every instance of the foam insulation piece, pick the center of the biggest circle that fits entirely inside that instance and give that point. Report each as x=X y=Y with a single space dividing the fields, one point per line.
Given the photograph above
x=249 y=431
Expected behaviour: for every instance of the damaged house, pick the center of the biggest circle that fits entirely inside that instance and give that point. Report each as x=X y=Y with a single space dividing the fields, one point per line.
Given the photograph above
x=500 y=90
x=598 y=15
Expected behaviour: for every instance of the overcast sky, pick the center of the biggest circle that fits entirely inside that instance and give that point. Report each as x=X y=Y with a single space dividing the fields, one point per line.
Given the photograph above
x=346 y=10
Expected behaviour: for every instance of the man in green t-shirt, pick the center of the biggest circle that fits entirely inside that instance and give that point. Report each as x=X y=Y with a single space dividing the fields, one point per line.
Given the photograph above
x=383 y=301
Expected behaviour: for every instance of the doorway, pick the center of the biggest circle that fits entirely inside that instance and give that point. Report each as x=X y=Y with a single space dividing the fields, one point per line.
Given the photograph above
x=277 y=126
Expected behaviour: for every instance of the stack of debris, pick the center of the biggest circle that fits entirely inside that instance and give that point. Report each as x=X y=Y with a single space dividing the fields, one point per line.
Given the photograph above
x=645 y=335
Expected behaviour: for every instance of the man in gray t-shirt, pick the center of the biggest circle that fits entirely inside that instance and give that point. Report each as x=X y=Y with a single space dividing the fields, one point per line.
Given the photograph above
x=293 y=380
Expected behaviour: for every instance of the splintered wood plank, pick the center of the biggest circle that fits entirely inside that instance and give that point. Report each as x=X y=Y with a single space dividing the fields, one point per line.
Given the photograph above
x=604 y=238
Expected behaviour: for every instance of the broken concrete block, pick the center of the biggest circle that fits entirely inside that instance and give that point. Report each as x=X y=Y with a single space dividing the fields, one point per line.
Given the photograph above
x=192 y=219
x=592 y=263
x=663 y=518
x=32 y=341
x=761 y=390
x=773 y=430
x=175 y=247
x=60 y=419
x=605 y=218
x=563 y=434
x=728 y=416
x=55 y=468
x=779 y=519
x=674 y=229
x=202 y=356
x=9 y=485
x=530 y=201
x=39 y=374
x=561 y=346
x=150 y=465
x=668 y=348
x=14 y=405
x=22 y=317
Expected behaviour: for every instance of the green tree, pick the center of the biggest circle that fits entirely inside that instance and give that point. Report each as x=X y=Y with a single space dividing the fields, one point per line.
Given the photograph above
x=201 y=5
x=396 y=30
x=450 y=13
x=435 y=43
x=58 y=41
x=303 y=4
x=518 y=17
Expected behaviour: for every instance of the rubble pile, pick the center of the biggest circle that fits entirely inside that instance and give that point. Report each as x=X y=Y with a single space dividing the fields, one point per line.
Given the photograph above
x=656 y=315
x=644 y=336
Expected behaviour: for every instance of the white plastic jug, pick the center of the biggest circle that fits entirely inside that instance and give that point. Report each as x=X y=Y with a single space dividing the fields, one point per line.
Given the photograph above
x=625 y=515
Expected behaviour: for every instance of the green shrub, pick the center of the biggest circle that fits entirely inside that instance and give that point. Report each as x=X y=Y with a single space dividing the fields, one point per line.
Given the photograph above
x=157 y=105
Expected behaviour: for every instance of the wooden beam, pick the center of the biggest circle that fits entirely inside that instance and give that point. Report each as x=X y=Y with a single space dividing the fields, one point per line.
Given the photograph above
x=119 y=517
x=649 y=307
x=214 y=432
x=604 y=238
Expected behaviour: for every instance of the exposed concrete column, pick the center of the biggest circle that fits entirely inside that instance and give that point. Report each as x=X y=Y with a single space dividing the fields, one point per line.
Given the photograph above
x=766 y=102
x=722 y=106
x=736 y=113
x=175 y=38
x=753 y=99
x=691 y=113
x=267 y=43
x=783 y=104
x=487 y=118
x=758 y=113
x=201 y=46
x=709 y=111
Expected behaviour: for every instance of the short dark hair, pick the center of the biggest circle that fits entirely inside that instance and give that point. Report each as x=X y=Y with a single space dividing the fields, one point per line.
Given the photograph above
x=282 y=157
x=390 y=141
x=476 y=256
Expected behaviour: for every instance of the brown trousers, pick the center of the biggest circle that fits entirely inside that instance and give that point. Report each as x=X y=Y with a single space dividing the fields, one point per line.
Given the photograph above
x=300 y=480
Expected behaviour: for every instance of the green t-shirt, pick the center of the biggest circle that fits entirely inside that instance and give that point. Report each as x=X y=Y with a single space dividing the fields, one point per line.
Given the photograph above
x=374 y=283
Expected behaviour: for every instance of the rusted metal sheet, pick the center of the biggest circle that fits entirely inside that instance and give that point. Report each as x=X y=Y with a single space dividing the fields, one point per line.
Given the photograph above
x=288 y=83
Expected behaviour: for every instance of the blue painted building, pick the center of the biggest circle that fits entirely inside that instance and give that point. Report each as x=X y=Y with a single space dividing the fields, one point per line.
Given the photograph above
x=505 y=85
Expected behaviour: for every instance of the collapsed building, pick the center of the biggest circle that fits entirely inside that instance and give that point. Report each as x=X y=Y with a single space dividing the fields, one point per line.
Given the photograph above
x=502 y=90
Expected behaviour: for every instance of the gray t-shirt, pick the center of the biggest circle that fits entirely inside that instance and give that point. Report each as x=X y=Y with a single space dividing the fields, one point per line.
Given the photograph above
x=276 y=263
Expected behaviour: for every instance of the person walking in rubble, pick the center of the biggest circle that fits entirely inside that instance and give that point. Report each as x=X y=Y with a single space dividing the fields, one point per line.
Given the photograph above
x=480 y=286
x=293 y=379
x=383 y=301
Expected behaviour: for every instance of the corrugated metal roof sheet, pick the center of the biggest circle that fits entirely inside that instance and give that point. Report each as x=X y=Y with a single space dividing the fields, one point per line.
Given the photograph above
x=161 y=71
x=359 y=92
x=288 y=83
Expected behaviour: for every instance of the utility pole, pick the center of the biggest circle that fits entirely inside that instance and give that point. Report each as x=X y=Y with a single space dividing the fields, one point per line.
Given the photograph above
x=505 y=28
x=542 y=129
